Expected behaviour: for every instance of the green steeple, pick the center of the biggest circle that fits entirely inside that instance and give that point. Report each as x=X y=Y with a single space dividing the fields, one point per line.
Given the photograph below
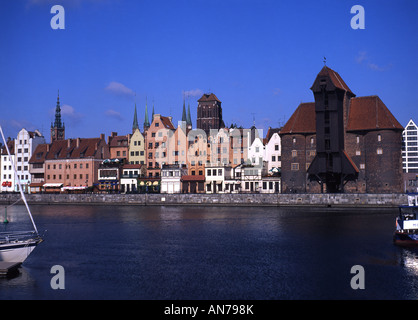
x=189 y=117
x=152 y=109
x=135 y=124
x=183 y=117
x=57 y=124
x=146 y=121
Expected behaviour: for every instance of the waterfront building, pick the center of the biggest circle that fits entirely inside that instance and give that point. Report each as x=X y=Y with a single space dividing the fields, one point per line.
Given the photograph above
x=136 y=150
x=37 y=168
x=73 y=164
x=156 y=137
x=118 y=146
x=273 y=151
x=341 y=143
x=209 y=113
x=410 y=157
x=220 y=178
x=171 y=175
x=57 y=127
x=25 y=143
x=109 y=174
x=251 y=177
x=129 y=178
x=7 y=178
x=238 y=146
x=257 y=152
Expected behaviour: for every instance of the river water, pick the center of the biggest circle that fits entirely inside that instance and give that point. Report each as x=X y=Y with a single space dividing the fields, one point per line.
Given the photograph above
x=188 y=252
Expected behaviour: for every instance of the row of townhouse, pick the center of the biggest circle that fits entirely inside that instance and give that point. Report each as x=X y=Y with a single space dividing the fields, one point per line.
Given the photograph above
x=136 y=162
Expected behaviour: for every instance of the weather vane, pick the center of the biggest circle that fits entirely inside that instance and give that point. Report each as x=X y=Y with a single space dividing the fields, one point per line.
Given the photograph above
x=325 y=61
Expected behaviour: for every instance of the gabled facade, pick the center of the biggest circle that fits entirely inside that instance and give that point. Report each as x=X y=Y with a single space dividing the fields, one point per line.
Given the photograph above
x=273 y=150
x=25 y=143
x=156 y=137
x=137 y=148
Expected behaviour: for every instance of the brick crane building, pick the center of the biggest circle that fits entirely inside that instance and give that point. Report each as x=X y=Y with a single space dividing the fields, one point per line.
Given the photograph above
x=341 y=143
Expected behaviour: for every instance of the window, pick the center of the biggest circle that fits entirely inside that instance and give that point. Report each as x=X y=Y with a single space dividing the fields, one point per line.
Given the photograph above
x=362 y=166
x=358 y=153
x=379 y=151
x=379 y=137
x=294 y=153
x=276 y=147
x=209 y=172
x=294 y=140
x=358 y=139
x=294 y=166
x=273 y=158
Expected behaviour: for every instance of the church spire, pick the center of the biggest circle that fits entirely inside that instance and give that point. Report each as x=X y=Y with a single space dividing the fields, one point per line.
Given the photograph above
x=135 y=123
x=58 y=123
x=183 y=117
x=146 y=121
x=57 y=127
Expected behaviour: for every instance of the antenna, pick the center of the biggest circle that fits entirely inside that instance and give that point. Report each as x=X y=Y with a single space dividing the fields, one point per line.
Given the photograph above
x=253 y=118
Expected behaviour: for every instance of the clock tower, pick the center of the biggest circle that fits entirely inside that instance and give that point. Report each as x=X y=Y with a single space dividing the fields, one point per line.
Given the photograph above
x=57 y=127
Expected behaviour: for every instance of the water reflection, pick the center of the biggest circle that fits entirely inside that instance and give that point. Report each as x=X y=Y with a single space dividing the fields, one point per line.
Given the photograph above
x=157 y=252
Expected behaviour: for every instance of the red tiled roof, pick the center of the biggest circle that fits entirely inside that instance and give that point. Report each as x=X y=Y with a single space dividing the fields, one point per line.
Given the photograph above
x=167 y=123
x=208 y=97
x=118 y=141
x=60 y=149
x=11 y=145
x=39 y=154
x=302 y=120
x=370 y=113
x=336 y=79
x=132 y=166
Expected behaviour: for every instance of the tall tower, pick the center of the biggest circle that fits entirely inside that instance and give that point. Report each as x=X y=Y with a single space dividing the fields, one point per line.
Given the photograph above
x=135 y=123
x=331 y=165
x=58 y=127
x=146 y=120
x=209 y=113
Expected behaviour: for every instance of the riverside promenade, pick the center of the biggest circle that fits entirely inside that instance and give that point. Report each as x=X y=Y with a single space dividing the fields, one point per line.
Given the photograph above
x=241 y=199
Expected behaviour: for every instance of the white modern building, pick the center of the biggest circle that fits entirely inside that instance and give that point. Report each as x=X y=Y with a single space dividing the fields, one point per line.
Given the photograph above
x=410 y=157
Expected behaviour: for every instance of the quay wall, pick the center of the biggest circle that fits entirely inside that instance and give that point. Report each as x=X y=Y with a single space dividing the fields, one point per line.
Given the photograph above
x=242 y=199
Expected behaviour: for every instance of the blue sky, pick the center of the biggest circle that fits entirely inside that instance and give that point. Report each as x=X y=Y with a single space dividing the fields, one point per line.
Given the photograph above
x=260 y=57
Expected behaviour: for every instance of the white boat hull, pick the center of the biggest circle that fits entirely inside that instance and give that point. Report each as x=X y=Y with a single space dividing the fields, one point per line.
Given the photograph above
x=17 y=251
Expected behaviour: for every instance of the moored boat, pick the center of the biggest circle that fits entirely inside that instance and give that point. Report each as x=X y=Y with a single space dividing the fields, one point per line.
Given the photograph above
x=16 y=246
x=406 y=233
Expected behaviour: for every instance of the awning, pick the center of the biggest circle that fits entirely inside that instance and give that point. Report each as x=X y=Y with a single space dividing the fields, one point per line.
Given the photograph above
x=52 y=185
x=75 y=188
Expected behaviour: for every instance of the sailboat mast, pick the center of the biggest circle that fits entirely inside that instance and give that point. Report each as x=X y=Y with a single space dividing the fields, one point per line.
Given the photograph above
x=18 y=181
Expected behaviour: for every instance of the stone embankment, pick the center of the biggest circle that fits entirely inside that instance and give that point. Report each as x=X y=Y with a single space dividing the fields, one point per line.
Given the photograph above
x=315 y=200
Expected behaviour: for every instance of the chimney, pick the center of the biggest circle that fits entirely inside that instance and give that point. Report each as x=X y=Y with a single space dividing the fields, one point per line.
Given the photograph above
x=78 y=143
x=47 y=147
x=69 y=143
x=102 y=136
